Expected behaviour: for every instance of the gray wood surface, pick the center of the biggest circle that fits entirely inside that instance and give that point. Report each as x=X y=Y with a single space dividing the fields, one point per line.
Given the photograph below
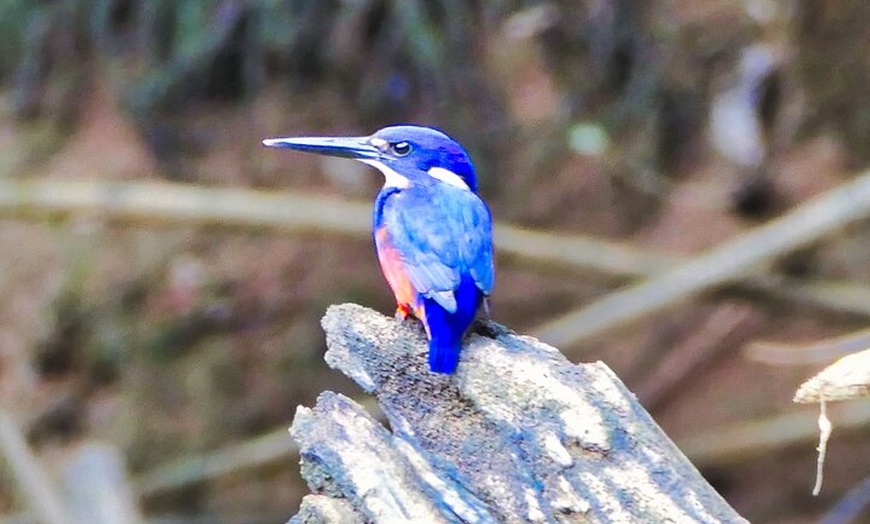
x=518 y=434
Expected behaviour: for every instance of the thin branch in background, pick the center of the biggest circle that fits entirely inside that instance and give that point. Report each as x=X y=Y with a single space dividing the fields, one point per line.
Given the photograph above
x=727 y=263
x=163 y=203
x=814 y=353
x=261 y=451
x=851 y=506
x=158 y=203
x=841 y=296
x=583 y=253
x=743 y=440
x=717 y=334
x=97 y=488
x=41 y=496
x=264 y=450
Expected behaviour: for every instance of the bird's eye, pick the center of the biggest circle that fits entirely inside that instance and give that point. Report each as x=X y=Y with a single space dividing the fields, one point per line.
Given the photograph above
x=401 y=148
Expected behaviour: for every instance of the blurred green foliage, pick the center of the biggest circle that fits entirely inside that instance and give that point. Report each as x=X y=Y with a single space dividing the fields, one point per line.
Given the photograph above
x=392 y=60
x=643 y=78
x=170 y=52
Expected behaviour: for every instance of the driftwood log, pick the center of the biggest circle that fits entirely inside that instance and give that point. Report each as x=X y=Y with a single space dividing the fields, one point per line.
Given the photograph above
x=518 y=434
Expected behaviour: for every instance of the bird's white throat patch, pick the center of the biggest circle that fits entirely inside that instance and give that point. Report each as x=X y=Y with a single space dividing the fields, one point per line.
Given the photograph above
x=448 y=177
x=393 y=179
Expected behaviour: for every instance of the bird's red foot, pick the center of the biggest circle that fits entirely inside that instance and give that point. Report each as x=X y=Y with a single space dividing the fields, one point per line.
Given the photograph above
x=402 y=312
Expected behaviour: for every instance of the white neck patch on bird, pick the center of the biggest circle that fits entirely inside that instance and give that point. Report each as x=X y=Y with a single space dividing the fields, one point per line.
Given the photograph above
x=448 y=177
x=392 y=178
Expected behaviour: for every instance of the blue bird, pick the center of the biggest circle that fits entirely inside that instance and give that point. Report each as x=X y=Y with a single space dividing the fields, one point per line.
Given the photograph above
x=432 y=231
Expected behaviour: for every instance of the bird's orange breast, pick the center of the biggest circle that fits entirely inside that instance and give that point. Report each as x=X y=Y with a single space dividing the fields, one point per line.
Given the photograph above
x=394 y=270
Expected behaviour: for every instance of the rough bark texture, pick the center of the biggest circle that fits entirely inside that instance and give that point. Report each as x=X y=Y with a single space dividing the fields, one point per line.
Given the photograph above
x=518 y=434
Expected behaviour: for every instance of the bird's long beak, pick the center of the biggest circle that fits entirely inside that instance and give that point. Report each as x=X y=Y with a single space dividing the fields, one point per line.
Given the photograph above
x=345 y=147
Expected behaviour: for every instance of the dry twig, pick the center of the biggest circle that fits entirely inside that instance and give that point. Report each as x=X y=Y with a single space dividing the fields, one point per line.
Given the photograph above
x=267 y=449
x=162 y=203
x=42 y=498
x=851 y=506
x=724 y=328
x=97 y=488
x=814 y=353
x=741 y=441
x=732 y=260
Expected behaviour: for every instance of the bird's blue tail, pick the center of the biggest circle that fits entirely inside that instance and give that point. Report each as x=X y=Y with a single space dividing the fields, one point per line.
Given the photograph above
x=444 y=354
x=447 y=329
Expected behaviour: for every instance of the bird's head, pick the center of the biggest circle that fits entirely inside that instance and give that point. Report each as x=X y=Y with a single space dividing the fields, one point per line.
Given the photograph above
x=405 y=154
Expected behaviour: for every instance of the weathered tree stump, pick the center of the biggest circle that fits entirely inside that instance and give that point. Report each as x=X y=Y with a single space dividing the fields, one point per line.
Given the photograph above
x=518 y=434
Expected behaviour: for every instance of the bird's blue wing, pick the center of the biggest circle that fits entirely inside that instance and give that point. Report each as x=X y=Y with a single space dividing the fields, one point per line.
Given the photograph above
x=475 y=250
x=441 y=236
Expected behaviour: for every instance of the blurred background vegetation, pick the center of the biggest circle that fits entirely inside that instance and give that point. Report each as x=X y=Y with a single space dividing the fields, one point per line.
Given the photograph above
x=667 y=125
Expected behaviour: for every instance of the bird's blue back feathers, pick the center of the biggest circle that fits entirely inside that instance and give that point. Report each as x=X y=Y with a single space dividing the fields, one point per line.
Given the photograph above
x=445 y=237
x=443 y=233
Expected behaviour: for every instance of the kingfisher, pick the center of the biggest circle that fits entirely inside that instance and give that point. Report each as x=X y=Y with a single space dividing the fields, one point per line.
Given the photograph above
x=432 y=231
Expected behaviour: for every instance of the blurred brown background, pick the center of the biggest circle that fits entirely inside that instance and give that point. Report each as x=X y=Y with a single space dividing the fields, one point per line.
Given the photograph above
x=669 y=126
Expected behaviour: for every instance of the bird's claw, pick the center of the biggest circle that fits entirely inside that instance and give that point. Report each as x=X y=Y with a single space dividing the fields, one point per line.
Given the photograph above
x=402 y=312
x=490 y=329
